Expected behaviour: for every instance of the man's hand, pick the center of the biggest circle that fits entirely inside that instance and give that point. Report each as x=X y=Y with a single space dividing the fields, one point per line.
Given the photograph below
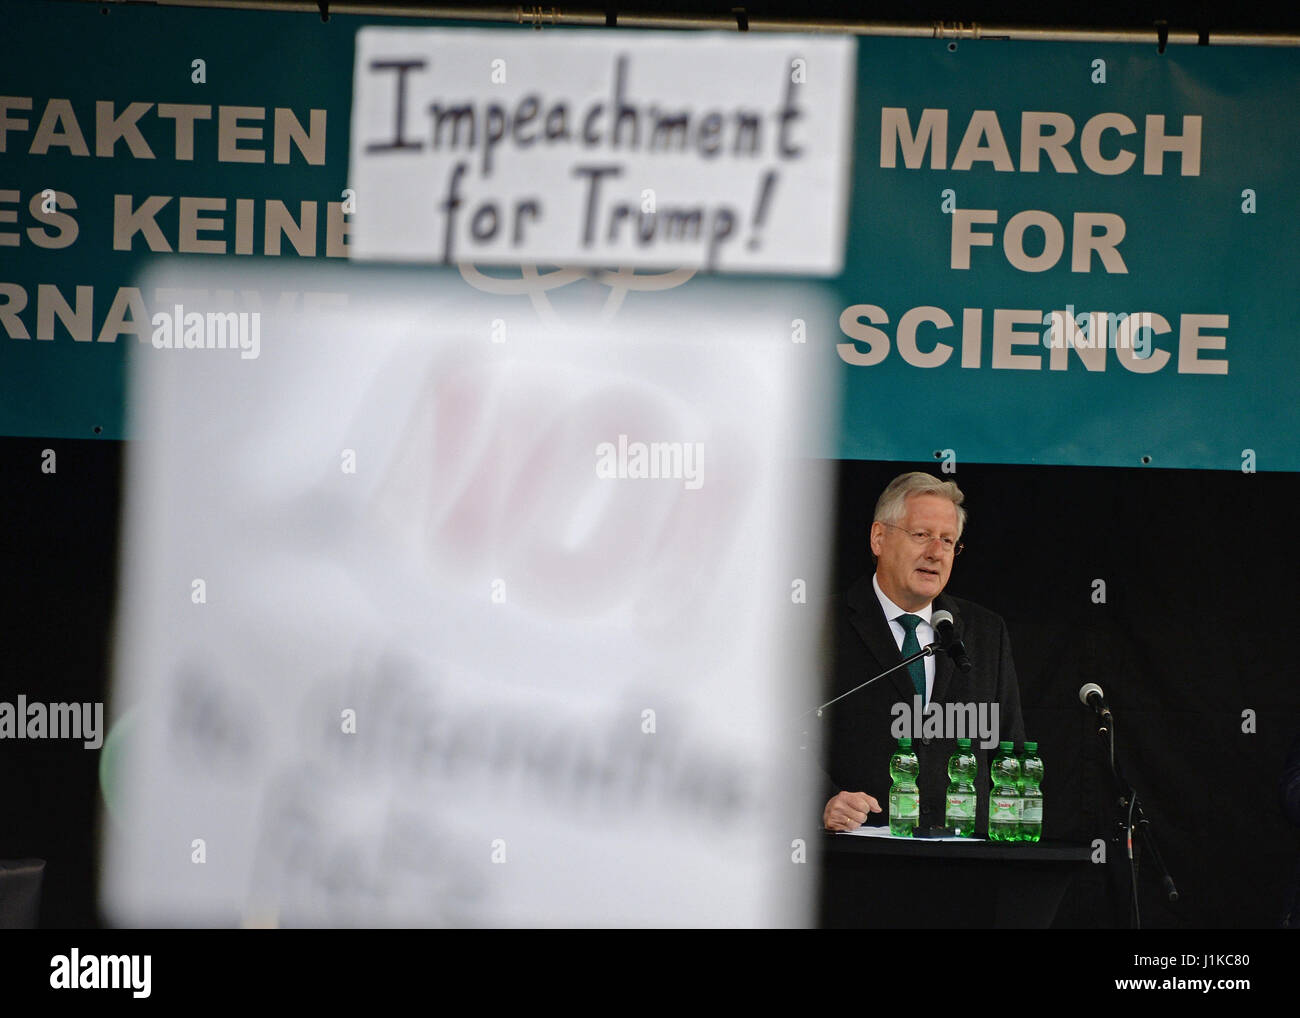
x=848 y=811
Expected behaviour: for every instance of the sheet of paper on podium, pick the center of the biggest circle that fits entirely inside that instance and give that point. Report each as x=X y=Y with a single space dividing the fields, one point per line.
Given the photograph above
x=884 y=832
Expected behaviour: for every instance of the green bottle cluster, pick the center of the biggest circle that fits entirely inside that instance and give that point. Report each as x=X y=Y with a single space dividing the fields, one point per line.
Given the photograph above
x=904 y=796
x=1016 y=800
x=960 y=802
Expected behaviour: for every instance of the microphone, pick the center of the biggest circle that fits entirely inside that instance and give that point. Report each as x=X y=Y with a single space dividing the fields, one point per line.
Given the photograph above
x=1092 y=695
x=942 y=622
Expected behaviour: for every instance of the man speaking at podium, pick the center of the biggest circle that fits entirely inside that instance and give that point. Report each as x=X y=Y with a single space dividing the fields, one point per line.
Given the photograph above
x=915 y=536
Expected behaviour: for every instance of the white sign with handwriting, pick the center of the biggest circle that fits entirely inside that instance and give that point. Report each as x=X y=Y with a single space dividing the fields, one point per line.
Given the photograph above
x=655 y=149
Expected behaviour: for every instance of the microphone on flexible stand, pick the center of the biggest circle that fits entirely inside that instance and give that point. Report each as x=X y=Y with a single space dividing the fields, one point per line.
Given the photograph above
x=1092 y=695
x=1133 y=822
x=942 y=622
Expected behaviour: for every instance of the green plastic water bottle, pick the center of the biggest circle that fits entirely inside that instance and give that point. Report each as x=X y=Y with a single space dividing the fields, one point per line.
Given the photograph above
x=959 y=806
x=904 y=796
x=1004 y=799
x=1031 y=796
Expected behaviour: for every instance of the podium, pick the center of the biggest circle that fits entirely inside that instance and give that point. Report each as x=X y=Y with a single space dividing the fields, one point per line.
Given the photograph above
x=903 y=883
x=20 y=892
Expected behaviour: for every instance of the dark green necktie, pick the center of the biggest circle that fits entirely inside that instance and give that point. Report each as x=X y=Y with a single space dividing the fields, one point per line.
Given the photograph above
x=912 y=645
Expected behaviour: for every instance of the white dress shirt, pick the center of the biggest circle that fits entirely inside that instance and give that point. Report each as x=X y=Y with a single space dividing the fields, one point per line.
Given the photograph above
x=924 y=632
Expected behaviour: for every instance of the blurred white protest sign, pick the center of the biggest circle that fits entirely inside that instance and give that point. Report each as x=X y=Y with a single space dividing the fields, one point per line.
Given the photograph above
x=649 y=149
x=430 y=616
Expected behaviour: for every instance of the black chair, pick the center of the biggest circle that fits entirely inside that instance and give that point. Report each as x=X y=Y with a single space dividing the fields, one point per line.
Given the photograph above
x=20 y=892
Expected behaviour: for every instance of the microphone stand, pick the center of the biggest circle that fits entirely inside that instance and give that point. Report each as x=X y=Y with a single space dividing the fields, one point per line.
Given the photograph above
x=1132 y=819
x=927 y=651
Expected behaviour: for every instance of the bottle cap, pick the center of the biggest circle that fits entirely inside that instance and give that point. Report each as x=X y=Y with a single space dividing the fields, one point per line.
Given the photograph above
x=1031 y=747
x=963 y=743
x=1005 y=746
x=904 y=743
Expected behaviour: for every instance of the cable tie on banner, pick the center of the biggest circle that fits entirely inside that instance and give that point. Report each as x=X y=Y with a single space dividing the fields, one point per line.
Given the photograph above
x=324 y=7
x=1162 y=36
x=956 y=30
x=742 y=19
x=539 y=15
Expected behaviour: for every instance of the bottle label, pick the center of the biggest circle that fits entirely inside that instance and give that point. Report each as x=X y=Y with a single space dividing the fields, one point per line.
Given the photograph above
x=959 y=812
x=904 y=805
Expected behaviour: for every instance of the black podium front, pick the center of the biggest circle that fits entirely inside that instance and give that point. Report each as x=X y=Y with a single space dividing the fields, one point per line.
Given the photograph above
x=20 y=892
x=902 y=883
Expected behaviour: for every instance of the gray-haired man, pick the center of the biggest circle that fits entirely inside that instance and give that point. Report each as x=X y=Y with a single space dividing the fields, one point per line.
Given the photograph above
x=915 y=538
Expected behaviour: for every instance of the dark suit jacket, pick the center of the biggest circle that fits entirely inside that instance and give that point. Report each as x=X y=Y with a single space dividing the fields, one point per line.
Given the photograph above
x=857 y=738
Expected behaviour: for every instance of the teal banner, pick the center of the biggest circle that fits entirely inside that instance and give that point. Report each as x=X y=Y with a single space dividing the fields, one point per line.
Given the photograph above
x=1057 y=253
x=1030 y=220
